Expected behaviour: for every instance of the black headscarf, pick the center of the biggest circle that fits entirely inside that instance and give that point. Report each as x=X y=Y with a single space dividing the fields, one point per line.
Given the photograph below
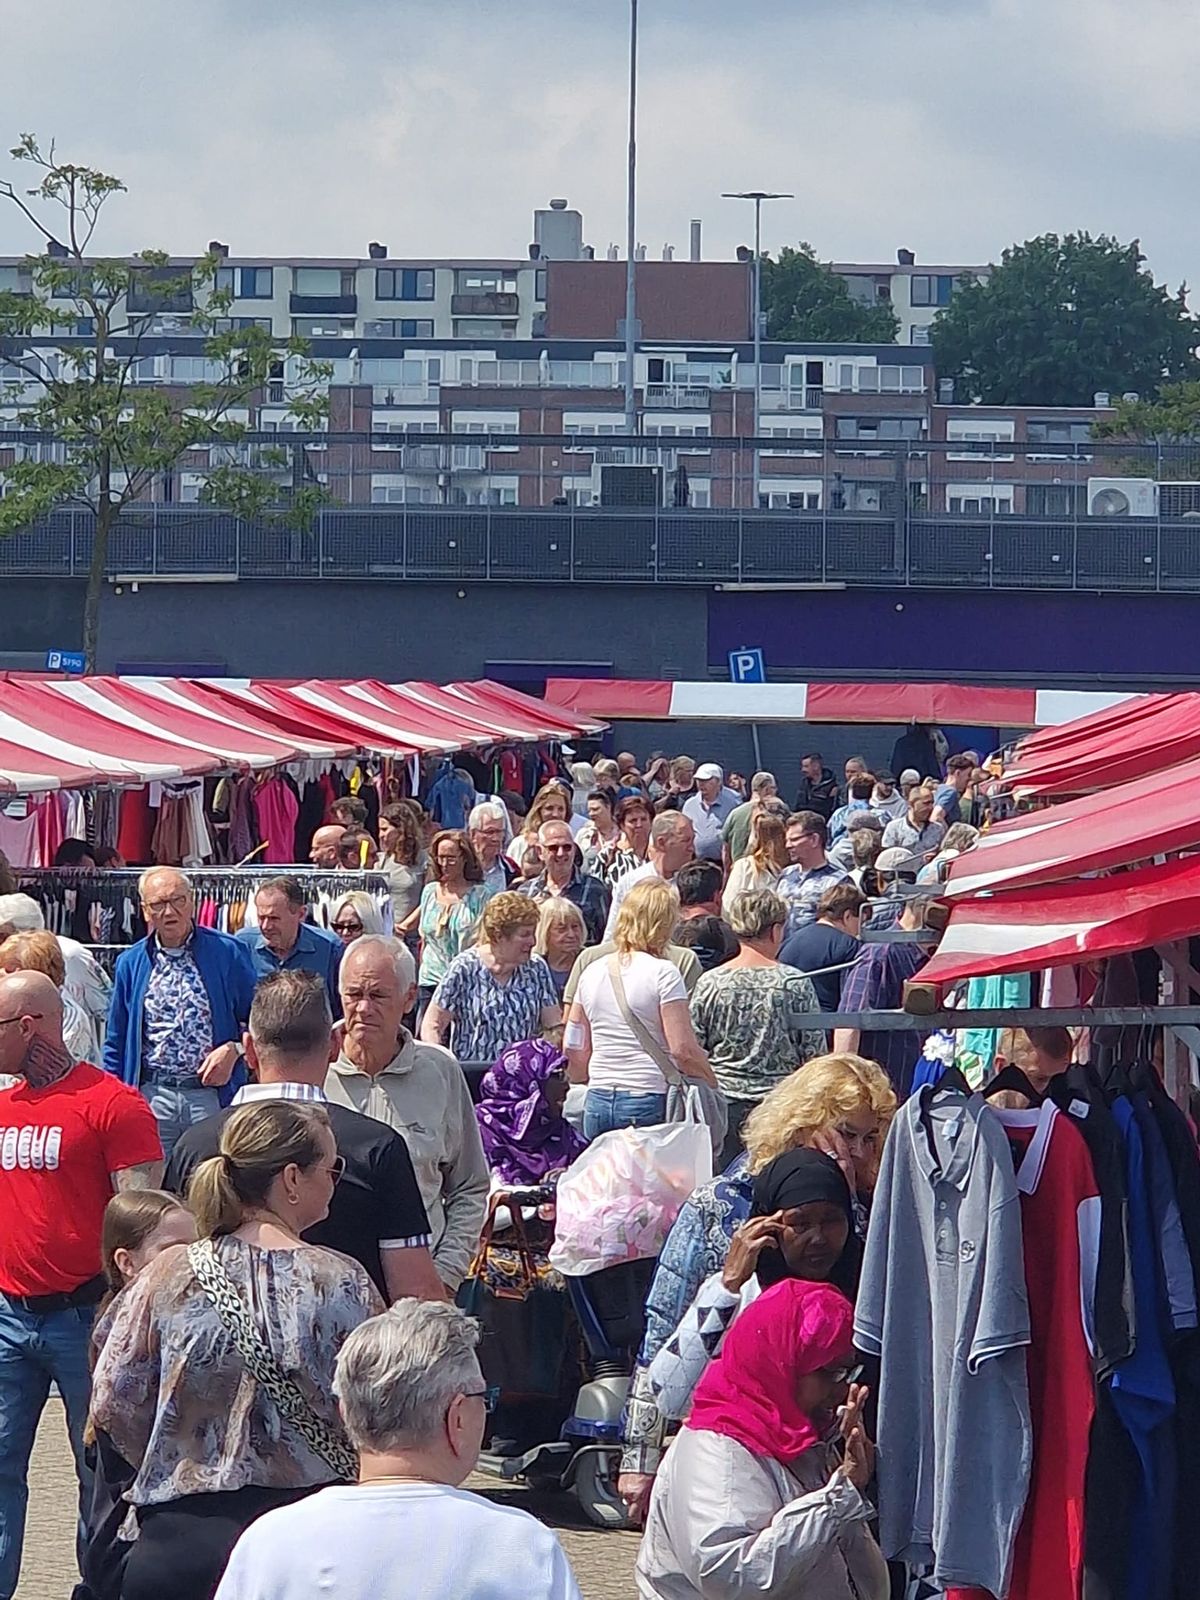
x=801 y=1178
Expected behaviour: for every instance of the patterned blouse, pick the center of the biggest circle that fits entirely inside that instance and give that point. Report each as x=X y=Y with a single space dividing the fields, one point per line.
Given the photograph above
x=753 y=1023
x=490 y=1017
x=446 y=931
x=174 y=1396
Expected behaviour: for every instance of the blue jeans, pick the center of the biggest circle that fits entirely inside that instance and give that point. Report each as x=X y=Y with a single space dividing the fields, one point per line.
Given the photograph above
x=606 y=1109
x=34 y=1350
x=178 y=1107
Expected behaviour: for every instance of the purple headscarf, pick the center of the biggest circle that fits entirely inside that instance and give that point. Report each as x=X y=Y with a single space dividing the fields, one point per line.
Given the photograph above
x=523 y=1136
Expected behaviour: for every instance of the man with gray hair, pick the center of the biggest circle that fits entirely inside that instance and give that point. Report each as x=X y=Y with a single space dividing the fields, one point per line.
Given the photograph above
x=181 y=1000
x=416 y=1088
x=414 y=1405
x=488 y=830
x=672 y=842
x=735 y=835
x=86 y=982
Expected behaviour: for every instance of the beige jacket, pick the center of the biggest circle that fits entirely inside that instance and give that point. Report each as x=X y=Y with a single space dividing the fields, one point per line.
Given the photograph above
x=422 y=1094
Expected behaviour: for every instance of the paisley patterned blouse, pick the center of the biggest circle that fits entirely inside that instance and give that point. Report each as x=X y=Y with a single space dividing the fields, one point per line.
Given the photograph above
x=174 y=1396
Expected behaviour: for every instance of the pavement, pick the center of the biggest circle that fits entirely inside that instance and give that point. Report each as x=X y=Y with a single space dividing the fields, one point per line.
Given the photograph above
x=603 y=1561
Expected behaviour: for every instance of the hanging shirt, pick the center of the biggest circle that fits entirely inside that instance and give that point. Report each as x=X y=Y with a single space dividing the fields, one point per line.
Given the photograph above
x=1060 y=1220
x=276 y=809
x=943 y=1302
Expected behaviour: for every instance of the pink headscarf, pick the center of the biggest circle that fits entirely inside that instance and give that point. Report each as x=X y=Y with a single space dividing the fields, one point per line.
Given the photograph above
x=749 y=1392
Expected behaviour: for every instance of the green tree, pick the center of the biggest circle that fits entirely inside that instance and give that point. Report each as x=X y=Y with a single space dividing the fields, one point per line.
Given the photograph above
x=73 y=369
x=804 y=299
x=1060 y=319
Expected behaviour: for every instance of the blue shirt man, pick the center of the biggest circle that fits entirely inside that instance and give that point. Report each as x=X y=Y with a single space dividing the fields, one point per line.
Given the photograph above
x=284 y=941
x=708 y=810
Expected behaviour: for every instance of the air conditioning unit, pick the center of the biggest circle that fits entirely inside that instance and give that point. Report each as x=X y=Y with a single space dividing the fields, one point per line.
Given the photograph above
x=1122 y=497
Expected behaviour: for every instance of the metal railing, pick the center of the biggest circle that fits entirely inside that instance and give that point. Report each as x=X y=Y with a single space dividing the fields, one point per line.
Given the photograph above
x=930 y=514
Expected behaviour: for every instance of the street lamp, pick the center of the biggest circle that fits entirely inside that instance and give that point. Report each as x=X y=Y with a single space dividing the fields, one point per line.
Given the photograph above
x=758 y=196
x=631 y=231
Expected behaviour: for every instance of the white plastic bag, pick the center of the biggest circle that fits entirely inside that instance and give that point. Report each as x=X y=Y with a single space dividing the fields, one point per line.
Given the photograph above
x=617 y=1201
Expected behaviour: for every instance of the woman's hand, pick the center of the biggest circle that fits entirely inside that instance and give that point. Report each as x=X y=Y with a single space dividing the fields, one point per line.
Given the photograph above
x=700 y=1070
x=634 y=1488
x=747 y=1244
x=858 y=1463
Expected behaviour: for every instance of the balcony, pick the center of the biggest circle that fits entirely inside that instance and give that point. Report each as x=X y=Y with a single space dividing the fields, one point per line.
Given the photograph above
x=677 y=396
x=797 y=399
x=323 y=305
x=489 y=304
x=404 y=394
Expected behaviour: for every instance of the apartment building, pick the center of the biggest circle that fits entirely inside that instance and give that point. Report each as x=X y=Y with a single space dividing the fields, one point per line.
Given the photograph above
x=915 y=292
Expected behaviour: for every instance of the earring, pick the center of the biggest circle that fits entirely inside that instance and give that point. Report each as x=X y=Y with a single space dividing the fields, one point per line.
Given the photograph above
x=293 y=1200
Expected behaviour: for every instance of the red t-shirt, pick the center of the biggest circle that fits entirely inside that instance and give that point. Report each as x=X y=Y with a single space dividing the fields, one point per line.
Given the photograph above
x=58 y=1146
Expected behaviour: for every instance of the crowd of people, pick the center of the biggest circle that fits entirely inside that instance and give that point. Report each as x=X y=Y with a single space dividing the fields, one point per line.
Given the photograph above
x=245 y=1184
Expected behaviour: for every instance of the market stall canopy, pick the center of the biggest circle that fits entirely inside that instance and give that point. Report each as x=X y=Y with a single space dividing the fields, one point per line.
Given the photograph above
x=51 y=741
x=1066 y=922
x=158 y=708
x=192 y=695
x=1110 y=753
x=1118 y=828
x=548 y=715
x=1112 y=711
x=972 y=705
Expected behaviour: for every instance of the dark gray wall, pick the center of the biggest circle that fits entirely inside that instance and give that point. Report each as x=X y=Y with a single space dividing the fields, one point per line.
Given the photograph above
x=36 y=615
x=397 y=631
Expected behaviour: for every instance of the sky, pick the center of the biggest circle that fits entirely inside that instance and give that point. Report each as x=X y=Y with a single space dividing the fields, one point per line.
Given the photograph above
x=949 y=127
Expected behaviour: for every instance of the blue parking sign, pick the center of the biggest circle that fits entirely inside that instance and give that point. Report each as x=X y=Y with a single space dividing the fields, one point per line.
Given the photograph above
x=747 y=666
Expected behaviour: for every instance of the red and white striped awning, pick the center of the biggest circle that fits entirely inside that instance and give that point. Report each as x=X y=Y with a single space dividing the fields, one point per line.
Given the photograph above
x=972 y=705
x=1100 y=753
x=1067 y=922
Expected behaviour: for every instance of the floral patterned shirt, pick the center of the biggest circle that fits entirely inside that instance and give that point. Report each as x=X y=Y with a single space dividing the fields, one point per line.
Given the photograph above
x=753 y=1023
x=175 y=1397
x=176 y=1015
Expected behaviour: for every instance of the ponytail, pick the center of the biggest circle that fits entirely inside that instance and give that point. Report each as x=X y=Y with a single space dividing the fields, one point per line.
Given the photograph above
x=257 y=1143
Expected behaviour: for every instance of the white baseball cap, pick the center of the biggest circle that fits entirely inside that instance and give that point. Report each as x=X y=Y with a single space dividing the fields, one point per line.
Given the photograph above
x=710 y=769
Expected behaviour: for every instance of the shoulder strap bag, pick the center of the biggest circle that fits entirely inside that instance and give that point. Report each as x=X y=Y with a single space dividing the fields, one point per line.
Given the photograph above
x=261 y=1363
x=660 y=1057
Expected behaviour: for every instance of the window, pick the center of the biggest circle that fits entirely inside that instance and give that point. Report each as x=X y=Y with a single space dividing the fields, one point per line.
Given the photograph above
x=323 y=327
x=539 y=285
x=483 y=328
x=919 y=336
x=404 y=283
x=1056 y=432
x=247 y=283
x=486 y=280
x=195 y=369
x=399 y=328
x=986 y=432
x=980 y=499
x=76 y=284
x=879 y=427
x=932 y=289
x=231 y=324
x=328 y=281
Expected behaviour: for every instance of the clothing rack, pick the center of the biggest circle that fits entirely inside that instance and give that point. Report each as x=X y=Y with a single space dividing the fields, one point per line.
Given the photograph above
x=102 y=910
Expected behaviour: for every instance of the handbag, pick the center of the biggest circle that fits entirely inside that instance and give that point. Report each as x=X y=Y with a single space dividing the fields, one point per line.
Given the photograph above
x=687 y=1100
x=262 y=1365
x=521 y=1303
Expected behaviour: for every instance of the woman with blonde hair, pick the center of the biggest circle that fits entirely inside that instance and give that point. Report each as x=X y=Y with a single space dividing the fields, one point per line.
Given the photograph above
x=498 y=993
x=550 y=804
x=355 y=914
x=215 y=1377
x=840 y=1104
x=765 y=859
x=561 y=935
x=630 y=1014
x=41 y=952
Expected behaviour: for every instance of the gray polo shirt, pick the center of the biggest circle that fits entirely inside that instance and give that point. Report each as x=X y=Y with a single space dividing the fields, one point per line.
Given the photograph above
x=901 y=835
x=943 y=1301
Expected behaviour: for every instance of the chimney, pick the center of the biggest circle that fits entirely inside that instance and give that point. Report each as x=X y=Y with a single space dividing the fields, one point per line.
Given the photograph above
x=668 y=252
x=535 y=251
x=613 y=254
x=589 y=253
x=640 y=253
x=744 y=253
x=216 y=248
x=694 y=252
x=558 y=205
x=377 y=251
x=55 y=249
x=906 y=258
x=1100 y=399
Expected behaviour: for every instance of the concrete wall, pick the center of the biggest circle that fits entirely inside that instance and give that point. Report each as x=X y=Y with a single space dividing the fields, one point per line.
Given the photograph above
x=393 y=631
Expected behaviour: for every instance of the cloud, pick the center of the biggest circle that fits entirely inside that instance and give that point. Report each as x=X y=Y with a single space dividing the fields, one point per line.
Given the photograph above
x=437 y=125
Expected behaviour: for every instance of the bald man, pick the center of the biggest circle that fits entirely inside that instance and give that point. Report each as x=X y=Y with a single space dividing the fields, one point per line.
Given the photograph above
x=325 y=844
x=181 y=1003
x=69 y=1136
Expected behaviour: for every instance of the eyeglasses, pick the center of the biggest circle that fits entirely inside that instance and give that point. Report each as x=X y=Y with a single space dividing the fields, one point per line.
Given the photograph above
x=489 y=1396
x=155 y=908
x=558 y=849
x=347 y=927
x=336 y=1169
x=33 y=1016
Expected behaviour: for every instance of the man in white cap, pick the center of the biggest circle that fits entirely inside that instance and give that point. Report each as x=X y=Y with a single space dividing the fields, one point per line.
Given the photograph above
x=709 y=809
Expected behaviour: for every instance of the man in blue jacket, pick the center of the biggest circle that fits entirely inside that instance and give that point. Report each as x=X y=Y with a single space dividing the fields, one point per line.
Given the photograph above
x=180 y=1004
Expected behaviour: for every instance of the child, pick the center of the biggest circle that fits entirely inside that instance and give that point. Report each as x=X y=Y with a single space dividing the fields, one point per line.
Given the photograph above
x=139 y=1224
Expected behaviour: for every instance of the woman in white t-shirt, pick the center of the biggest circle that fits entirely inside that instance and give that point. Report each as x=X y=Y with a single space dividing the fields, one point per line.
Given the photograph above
x=631 y=1013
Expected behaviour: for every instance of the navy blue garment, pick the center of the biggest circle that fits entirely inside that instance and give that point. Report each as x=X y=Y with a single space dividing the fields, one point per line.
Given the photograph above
x=1142 y=1387
x=449 y=800
x=1178 y=1277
